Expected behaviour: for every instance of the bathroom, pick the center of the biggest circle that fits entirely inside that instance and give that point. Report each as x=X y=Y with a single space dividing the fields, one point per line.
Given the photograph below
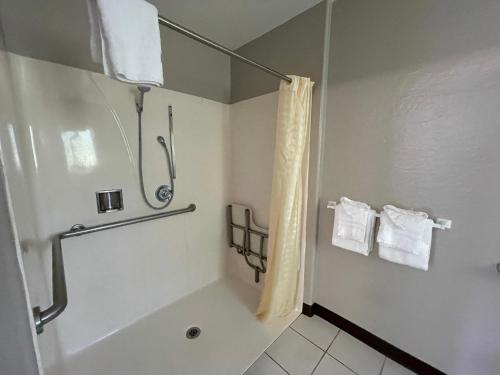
x=140 y=229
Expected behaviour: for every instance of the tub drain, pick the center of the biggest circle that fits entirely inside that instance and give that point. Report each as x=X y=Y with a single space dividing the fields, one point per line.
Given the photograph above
x=193 y=332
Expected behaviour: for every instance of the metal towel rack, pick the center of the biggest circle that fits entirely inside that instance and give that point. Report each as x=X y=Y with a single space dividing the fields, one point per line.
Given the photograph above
x=59 y=292
x=245 y=249
x=439 y=223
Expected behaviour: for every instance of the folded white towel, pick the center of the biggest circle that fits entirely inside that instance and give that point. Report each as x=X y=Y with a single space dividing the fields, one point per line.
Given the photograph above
x=402 y=229
x=405 y=237
x=352 y=219
x=353 y=227
x=125 y=37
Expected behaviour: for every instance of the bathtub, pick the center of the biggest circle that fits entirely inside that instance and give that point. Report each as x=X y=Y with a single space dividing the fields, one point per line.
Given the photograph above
x=231 y=337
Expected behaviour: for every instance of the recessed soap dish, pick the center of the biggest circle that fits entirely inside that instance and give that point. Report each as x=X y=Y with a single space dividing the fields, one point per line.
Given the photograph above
x=109 y=201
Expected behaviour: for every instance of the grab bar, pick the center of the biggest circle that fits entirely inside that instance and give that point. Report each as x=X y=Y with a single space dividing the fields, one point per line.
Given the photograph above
x=59 y=292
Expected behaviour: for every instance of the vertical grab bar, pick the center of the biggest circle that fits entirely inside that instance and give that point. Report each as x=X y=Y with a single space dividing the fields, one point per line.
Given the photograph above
x=59 y=290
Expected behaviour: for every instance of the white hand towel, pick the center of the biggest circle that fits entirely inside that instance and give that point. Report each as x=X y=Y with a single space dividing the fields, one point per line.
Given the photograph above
x=405 y=237
x=352 y=219
x=402 y=229
x=125 y=37
x=353 y=228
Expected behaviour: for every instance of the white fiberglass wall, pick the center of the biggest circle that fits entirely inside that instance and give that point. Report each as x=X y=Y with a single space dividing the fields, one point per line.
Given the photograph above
x=77 y=134
x=253 y=123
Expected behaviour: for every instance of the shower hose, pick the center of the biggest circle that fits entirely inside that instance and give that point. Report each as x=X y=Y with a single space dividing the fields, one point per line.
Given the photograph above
x=164 y=193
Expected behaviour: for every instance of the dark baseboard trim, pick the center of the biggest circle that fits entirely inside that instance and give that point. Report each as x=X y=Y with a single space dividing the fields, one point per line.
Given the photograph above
x=307 y=310
x=403 y=358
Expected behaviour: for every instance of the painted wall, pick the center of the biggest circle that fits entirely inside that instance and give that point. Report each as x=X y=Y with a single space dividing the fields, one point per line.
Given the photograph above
x=77 y=134
x=18 y=355
x=413 y=120
x=58 y=31
x=296 y=47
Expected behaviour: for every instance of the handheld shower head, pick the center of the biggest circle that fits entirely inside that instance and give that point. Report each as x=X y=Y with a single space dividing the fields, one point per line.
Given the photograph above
x=139 y=103
x=143 y=89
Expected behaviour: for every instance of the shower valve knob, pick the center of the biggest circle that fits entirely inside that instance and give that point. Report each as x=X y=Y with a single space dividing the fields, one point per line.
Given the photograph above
x=164 y=193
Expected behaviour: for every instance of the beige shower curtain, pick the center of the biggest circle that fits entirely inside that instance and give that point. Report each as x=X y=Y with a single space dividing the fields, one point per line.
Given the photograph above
x=287 y=218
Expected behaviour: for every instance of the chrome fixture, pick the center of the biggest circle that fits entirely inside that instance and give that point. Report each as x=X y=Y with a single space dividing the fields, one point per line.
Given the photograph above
x=164 y=193
x=109 y=200
x=245 y=248
x=191 y=34
x=59 y=292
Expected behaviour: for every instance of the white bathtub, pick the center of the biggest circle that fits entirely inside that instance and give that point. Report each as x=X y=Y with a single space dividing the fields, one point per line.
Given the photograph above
x=231 y=337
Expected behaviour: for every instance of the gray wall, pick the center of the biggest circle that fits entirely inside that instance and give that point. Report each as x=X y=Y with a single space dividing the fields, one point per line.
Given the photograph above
x=58 y=31
x=295 y=47
x=413 y=119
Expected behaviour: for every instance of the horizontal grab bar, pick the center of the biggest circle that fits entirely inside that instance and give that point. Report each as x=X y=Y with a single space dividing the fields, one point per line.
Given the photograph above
x=59 y=292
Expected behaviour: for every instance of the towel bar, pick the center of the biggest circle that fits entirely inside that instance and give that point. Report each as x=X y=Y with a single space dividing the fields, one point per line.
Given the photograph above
x=439 y=223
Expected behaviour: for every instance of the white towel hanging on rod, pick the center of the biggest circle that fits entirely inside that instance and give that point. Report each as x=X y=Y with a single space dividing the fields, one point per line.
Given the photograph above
x=439 y=223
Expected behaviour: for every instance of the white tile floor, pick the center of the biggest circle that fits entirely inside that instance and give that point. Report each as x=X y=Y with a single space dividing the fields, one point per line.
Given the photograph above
x=314 y=346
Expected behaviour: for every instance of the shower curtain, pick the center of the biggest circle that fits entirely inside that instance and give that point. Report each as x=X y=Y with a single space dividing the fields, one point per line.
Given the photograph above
x=282 y=291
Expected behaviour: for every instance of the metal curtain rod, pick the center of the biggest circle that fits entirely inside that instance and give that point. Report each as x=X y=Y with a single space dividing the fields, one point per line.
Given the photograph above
x=59 y=292
x=210 y=43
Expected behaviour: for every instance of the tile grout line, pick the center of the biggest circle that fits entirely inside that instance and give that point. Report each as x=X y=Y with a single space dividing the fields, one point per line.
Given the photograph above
x=281 y=334
x=281 y=367
x=325 y=352
x=343 y=364
x=293 y=329
x=383 y=365
x=339 y=361
x=276 y=339
x=329 y=346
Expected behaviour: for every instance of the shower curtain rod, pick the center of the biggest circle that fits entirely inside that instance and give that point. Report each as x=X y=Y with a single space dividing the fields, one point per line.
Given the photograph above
x=191 y=34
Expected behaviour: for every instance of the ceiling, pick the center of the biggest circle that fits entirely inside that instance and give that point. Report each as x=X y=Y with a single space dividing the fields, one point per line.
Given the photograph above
x=232 y=23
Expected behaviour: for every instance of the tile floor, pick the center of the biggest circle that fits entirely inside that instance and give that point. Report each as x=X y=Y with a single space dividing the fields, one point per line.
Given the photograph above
x=314 y=346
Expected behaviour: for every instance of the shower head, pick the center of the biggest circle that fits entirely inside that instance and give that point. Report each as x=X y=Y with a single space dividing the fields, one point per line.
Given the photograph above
x=140 y=100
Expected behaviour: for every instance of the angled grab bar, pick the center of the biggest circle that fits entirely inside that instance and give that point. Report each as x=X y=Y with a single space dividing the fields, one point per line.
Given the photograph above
x=59 y=292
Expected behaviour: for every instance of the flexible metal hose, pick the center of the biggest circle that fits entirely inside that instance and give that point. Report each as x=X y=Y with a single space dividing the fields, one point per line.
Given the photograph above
x=161 y=140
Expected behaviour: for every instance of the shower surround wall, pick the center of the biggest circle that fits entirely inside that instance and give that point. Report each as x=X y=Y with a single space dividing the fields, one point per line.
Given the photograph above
x=253 y=124
x=77 y=134
x=18 y=354
x=295 y=47
x=413 y=120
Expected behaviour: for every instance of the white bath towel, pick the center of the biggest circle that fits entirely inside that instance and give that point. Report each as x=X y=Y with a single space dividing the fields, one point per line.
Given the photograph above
x=353 y=227
x=405 y=237
x=125 y=37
